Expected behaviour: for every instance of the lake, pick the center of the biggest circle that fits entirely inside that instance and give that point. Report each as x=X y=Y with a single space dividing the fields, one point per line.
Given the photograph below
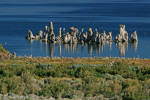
x=16 y=18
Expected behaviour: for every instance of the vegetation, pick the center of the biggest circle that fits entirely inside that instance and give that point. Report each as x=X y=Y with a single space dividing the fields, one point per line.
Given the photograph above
x=2 y=50
x=115 y=79
x=4 y=54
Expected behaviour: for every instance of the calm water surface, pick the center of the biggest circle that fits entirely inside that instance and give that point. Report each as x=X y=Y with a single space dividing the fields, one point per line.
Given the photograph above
x=16 y=18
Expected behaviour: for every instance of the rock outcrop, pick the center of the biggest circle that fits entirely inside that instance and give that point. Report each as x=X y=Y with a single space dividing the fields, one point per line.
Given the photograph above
x=45 y=38
x=73 y=32
x=95 y=35
x=89 y=36
x=51 y=33
x=30 y=35
x=134 y=37
x=73 y=36
x=52 y=38
x=59 y=37
x=67 y=38
x=39 y=35
x=45 y=34
x=99 y=39
x=82 y=37
x=109 y=36
x=123 y=35
x=103 y=35
x=51 y=28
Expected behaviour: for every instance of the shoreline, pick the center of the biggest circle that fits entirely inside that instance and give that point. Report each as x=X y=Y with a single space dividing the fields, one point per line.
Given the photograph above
x=81 y=57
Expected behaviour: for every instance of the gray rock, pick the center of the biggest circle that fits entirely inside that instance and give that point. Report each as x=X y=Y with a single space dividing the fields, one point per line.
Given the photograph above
x=134 y=37
x=99 y=39
x=123 y=35
x=73 y=32
x=82 y=37
x=74 y=40
x=59 y=37
x=52 y=38
x=118 y=38
x=94 y=36
x=30 y=35
x=59 y=34
x=45 y=37
x=63 y=31
x=89 y=34
x=51 y=28
x=109 y=36
x=39 y=35
x=71 y=36
x=67 y=38
x=103 y=36
x=46 y=29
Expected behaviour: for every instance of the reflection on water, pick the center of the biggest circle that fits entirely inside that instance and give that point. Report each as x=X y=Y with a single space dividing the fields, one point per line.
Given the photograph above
x=59 y=47
x=46 y=48
x=122 y=47
x=74 y=50
x=134 y=46
x=31 y=42
x=51 y=49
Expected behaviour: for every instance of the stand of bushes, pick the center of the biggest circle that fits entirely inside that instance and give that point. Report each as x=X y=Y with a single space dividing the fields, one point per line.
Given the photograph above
x=77 y=81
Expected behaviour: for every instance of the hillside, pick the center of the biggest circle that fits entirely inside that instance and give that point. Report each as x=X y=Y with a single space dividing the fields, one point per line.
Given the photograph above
x=4 y=54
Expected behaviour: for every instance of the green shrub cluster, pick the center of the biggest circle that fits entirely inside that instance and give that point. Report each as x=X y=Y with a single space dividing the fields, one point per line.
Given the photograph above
x=2 y=49
x=76 y=81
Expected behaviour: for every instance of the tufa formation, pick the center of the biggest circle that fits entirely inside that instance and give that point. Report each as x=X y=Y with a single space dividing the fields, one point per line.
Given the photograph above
x=74 y=36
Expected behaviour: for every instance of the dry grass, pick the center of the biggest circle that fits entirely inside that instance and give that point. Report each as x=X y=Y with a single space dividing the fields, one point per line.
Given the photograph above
x=62 y=78
x=74 y=61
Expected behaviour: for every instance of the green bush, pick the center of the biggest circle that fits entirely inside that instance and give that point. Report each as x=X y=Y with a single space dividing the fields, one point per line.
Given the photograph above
x=76 y=81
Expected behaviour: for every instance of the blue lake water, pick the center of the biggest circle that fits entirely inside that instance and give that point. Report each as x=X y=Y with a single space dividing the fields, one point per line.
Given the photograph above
x=16 y=18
